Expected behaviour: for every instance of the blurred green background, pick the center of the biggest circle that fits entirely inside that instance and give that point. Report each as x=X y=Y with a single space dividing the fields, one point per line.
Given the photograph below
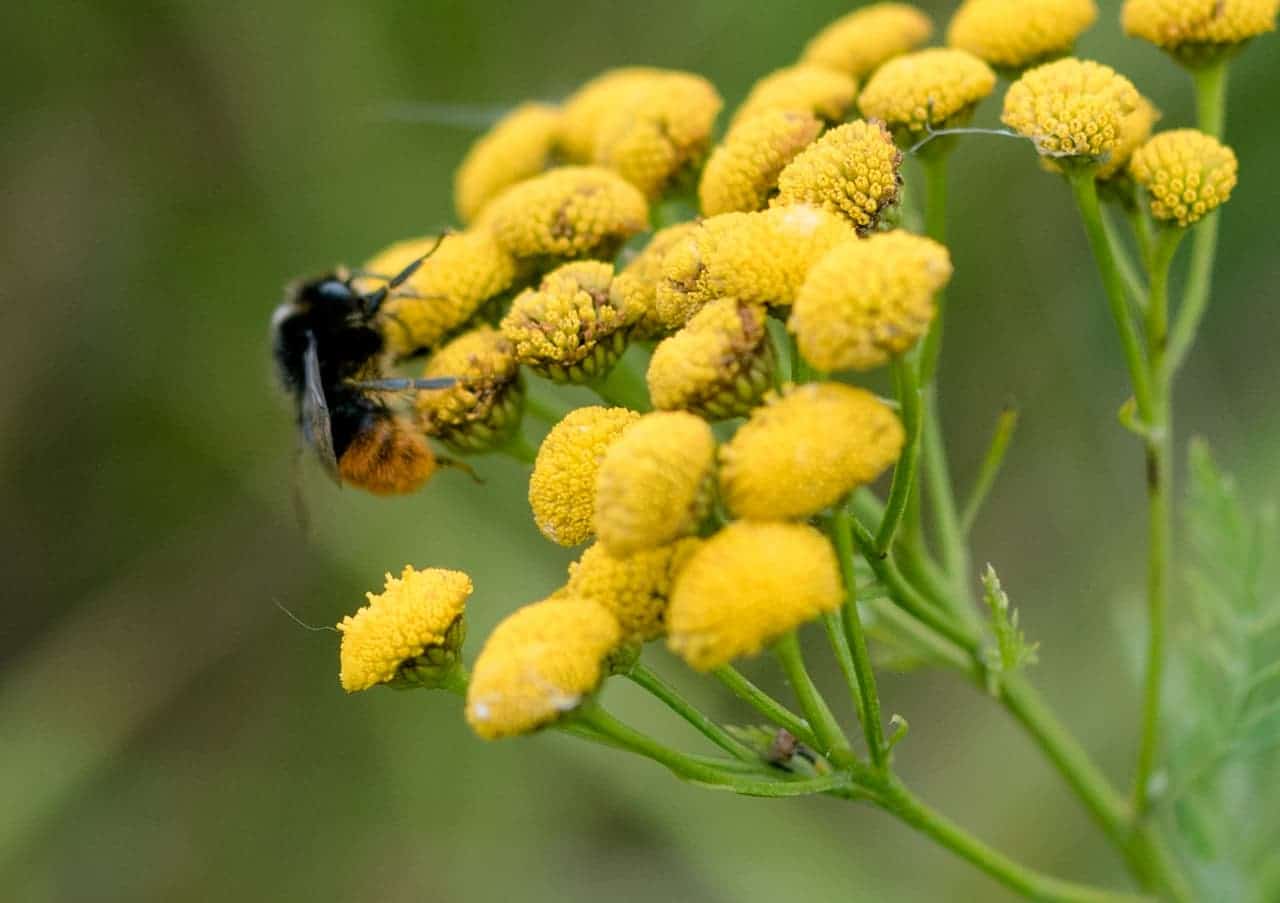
x=166 y=733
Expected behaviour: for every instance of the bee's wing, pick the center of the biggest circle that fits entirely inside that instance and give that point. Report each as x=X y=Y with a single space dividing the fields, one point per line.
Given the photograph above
x=316 y=427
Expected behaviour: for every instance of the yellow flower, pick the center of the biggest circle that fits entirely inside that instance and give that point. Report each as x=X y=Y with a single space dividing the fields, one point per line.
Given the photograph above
x=718 y=366
x=520 y=145
x=1071 y=107
x=1194 y=30
x=851 y=170
x=568 y=212
x=1135 y=129
x=635 y=289
x=653 y=482
x=747 y=586
x=562 y=488
x=539 y=663
x=867 y=300
x=742 y=173
x=1187 y=173
x=595 y=101
x=863 y=40
x=806 y=451
x=935 y=87
x=482 y=409
x=410 y=633
x=759 y=257
x=820 y=92
x=1014 y=34
x=635 y=589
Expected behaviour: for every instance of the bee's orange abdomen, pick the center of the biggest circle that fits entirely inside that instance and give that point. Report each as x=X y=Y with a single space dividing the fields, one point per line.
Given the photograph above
x=390 y=457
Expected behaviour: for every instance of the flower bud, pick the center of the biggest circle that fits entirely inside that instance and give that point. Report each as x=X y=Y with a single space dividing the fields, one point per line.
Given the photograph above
x=634 y=588
x=519 y=146
x=928 y=89
x=482 y=409
x=1014 y=34
x=861 y=41
x=742 y=174
x=1187 y=173
x=635 y=289
x=823 y=93
x=852 y=170
x=1198 y=32
x=1071 y=108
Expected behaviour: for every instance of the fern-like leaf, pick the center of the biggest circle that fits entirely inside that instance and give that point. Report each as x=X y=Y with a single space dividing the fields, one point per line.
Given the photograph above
x=1012 y=652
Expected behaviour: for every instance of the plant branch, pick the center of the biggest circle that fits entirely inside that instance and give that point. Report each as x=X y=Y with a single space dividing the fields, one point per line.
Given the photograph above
x=647 y=678
x=831 y=738
x=1006 y=423
x=851 y=621
x=904 y=474
x=766 y=705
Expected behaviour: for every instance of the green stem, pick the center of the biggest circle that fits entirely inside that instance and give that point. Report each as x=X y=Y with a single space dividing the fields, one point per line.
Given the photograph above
x=766 y=705
x=865 y=685
x=831 y=738
x=644 y=676
x=904 y=473
x=623 y=387
x=942 y=502
x=1211 y=98
x=519 y=448
x=833 y=623
x=935 y=226
x=548 y=412
x=1006 y=423
x=1129 y=272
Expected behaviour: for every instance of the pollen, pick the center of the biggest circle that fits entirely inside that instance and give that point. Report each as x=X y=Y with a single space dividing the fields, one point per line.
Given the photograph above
x=742 y=173
x=1177 y=25
x=822 y=93
x=482 y=408
x=868 y=300
x=1071 y=107
x=654 y=482
x=804 y=451
x=928 y=89
x=519 y=146
x=539 y=664
x=413 y=623
x=1014 y=34
x=635 y=589
x=852 y=170
x=1187 y=173
x=562 y=488
x=863 y=40
x=747 y=586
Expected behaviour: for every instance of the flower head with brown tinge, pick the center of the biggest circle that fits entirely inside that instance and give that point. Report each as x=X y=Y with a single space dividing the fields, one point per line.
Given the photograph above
x=520 y=145
x=1187 y=173
x=868 y=300
x=482 y=408
x=1014 y=34
x=1071 y=108
x=562 y=488
x=747 y=586
x=932 y=88
x=851 y=170
x=822 y=93
x=807 y=450
x=635 y=289
x=635 y=588
x=1198 y=31
x=743 y=171
x=540 y=663
x=861 y=41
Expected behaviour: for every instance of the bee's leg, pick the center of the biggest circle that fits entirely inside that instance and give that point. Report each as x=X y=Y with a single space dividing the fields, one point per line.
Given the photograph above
x=463 y=466
x=404 y=384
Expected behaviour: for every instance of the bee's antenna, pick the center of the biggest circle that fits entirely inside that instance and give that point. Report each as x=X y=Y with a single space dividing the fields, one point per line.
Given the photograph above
x=373 y=300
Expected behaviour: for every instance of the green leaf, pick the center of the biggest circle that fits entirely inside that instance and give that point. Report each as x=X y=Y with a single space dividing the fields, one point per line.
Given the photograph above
x=1012 y=652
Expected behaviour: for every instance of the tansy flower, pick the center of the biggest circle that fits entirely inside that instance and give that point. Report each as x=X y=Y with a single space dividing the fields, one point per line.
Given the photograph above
x=742 y=173
x=823 y=93
x=539 y=663
x=1134 y=132
x=653 y=485
x=568 y=212
x=930 y=88
x=595 y=101
x=747 y=586
x=562 y=488
x=1197 y=31
x=759 y=257
x=482 y=408
x=520 y=145
x=867 y=300
x=805 y=451
x=568 y=329
x=1014 y=34
x=635 y=588
x=851 y=170
x=411 y=632
x=718 y=366
x=863 y=40
x=635 y=289
x=1071 y=108
x=1187 y=173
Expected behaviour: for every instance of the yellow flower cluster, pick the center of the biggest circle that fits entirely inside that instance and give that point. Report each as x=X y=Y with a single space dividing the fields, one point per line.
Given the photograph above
x=519 y=146
x=482 y=408
x=1179 y=25
x=1187 y=173
x=1134 y=131
x=868 y=300
x=635 y=289
x=934 y=87
x=1071 y=108
x=1014 y=34
x=860 y=42
x=634 y=589
x=411 y=631
x=742 y=173
x=822 y=93
x=851 y=170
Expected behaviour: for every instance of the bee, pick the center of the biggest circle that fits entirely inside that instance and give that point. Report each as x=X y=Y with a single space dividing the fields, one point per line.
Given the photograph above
x=330 y=356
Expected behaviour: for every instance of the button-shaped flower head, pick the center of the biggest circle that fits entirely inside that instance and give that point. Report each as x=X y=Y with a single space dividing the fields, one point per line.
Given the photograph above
x=1197 y=31
x=932 y=88
x=635 y=289
x=867 y=300
x=748 y=585
x=539 y=664
x=742 y=173
x=851 y=170
x=482 y=408
x=1134 y=132
x=1014 y=34
x=654 y=482
x=823 y=93
x=562 y=488
x=1071 y=108
x=596 y=100
x=805 y=451
x=519 y=146
x=410 y=633
x=1187 y=173
x=860 y=42
x=635 y=588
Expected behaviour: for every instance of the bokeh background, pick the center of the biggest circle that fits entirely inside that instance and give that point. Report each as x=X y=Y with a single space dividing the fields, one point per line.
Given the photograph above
x=166 y=733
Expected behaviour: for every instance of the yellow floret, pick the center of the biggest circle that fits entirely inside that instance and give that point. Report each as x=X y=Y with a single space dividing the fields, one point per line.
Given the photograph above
x=930 y=88
x=568 y=212
x=410 y=632
x=742 y=173
x=820 y=92
x=718 y=366
x=595 y=101
x=1134 y=132
x=562 y=488
x=482 y=408
x=863 y=40
x=1187 y=173
x=520 y=145
x=1183 y=26
x=539 y=663
x=1013 y=34
x=635 y=588
x=747 y=586
x=1071 y=107
x=635 y=289
x=806 y=451
x=868 y=300
x=851 y=170
x=653 y=482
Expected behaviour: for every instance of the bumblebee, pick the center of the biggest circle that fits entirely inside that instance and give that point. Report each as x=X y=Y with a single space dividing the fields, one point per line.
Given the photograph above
x=330 y=354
